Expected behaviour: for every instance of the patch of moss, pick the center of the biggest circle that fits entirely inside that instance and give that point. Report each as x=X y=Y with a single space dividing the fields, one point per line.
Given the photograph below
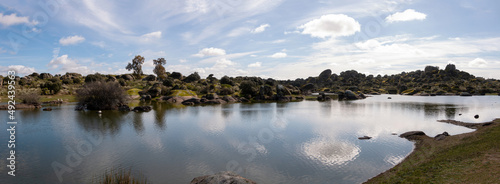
x=133 y=91
x=183 y=93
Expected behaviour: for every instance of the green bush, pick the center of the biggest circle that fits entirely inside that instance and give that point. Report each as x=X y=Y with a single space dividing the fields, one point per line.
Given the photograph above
x=101 y=96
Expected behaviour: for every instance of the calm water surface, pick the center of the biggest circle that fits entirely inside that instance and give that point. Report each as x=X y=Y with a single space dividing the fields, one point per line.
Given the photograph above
x=299 y=142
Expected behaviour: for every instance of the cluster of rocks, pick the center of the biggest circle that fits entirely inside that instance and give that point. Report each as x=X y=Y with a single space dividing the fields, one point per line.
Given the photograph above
x=349 y=95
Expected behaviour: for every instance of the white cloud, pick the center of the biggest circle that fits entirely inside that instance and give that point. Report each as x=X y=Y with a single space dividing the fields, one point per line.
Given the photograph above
x=278 y=55
x=407 y=15
x=20 y=69
x=256 y=64
x=478 y=62
x=210 y=52
x=65 y=64
x=223 y=63
x=151 y=36
x=332 y=25
x=261 y=28
x=71 y=40
x=182 y=60
x=13 y=19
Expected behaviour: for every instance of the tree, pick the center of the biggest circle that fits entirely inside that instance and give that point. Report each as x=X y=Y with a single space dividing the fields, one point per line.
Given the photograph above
x=136 y=65
x=159 y=69
x=193 y=77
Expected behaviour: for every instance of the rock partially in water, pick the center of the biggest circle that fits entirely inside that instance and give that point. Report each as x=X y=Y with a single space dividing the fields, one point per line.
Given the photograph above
x=364 y=137
x=47 y=109
x=123 y=108
x=225 y=177
x=410 y=134
x=476 y=116
x=142 y=108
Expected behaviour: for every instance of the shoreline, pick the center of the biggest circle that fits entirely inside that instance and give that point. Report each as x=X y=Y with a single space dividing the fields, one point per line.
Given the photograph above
x=461 y=158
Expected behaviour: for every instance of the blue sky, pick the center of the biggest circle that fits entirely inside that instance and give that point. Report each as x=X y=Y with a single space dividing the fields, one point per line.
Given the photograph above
x=283 y=39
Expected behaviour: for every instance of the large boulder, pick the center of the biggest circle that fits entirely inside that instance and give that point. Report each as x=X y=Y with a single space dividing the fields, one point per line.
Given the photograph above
x=45 y=76
x=127 y=77
x=225 y=177
x=265 y=90
x=192 y=101
x=323 y=76
x=149 y=78
x=411 y=134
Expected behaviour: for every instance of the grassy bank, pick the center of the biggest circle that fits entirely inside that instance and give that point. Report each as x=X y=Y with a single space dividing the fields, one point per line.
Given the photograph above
x=466 y=158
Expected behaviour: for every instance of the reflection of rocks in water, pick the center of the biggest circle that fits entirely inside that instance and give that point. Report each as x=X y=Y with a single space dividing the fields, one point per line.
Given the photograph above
x=107 y=122
x=450 y=112
x=330 y=152
x=433 y=110
x=138 y=124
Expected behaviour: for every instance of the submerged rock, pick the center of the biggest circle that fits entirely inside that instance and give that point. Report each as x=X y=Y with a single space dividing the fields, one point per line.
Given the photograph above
x=47 y=109
x=225 y=177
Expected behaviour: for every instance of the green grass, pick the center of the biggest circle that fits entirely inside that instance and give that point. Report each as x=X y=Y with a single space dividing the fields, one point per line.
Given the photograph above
x=467 y=158
x=133 y=91
x=183 y=93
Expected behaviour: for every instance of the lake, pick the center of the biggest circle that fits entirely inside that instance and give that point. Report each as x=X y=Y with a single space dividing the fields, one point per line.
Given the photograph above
x=296 y=142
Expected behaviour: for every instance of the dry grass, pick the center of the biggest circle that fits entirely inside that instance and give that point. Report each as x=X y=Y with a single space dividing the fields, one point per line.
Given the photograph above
x=120 y=177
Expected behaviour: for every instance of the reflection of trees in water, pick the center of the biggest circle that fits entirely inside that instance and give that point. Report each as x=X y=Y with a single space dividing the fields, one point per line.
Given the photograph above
x=138 y=123
x=27 y=115
x=107 y=122
x=160 y=110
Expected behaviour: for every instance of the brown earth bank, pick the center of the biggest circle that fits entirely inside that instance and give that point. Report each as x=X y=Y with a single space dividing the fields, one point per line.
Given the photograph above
x=465 y=158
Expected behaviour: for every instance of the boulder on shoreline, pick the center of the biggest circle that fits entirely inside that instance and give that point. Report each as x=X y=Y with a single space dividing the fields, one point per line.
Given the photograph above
x=442 y=136
x=411 y=134
x=225 y=177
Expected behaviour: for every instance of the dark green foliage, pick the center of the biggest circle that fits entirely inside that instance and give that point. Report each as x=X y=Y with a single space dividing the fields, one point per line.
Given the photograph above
x=97 y=77
x=226 y=80
x=169 y=82
x=51 y=88
x=101 y=95
x=248 y=88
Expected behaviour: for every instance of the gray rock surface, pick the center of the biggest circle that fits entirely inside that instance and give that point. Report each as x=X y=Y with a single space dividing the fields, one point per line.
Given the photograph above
x=225 y=177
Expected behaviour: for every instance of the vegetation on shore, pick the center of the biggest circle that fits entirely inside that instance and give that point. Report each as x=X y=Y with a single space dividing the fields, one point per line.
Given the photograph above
x=120 y=177
x=466 y=158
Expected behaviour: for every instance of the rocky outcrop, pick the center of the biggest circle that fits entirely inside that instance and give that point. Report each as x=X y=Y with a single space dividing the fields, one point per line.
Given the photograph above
x=225 y=177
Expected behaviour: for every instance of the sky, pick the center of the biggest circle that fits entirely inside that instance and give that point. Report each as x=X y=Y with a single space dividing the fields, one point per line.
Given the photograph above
x=281 y=39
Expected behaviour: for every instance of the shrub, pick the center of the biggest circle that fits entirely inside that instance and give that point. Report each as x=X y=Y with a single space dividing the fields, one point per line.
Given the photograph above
x=101 y=95
x=30 y=98
x=226 y=80
x=248 y=88
x=94 y=78
x=50 y=88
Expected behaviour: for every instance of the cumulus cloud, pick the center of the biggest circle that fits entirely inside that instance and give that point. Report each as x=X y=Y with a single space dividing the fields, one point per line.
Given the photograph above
x=20 y=69
x=478 y=62
x=223 y=63
x=407 y=15
x=151 y=36
x=332 y=25
x=71 y=40
x=255 y=65
x=261 y=28
x=278 y=55
x=13 y=19
x=66 y=64
x=210 y=52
